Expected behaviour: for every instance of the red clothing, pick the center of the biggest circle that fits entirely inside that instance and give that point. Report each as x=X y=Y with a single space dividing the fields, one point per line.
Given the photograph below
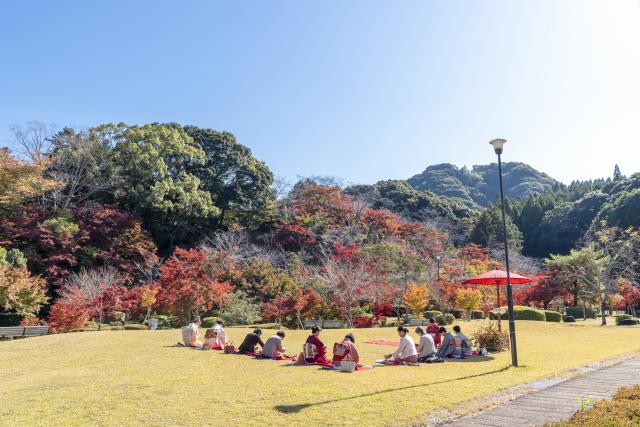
x=344 y=349
x=321 y=355
x=434 y=330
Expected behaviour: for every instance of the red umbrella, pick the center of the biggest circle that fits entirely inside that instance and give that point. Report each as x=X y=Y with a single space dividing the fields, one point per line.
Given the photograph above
x=497 y=278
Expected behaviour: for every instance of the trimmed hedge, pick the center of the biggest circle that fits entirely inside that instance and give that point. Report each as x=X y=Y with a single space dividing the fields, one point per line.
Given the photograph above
x=552 y=316
x=209 y=322
x=522 y=313
x=457 y=313
x=626 y=320
x=477 y=314
x=437 y=315
x=578 y=313
x=166 y=322
x=134 y=327
x=10 y=319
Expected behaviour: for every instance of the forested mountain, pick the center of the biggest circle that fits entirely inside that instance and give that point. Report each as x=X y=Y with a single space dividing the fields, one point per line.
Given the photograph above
x=478 y=187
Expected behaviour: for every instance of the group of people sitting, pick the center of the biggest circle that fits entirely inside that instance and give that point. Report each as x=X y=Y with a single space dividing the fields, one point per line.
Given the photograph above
x=314 y=350
x=215 y=338
x=434 y=343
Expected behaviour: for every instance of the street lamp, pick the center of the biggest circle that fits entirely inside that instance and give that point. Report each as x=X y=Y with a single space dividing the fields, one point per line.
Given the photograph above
x=497 y=146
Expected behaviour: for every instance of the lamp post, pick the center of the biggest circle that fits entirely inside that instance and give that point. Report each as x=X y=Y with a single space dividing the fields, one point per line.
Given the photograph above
x=497 y=146
x=438 y=258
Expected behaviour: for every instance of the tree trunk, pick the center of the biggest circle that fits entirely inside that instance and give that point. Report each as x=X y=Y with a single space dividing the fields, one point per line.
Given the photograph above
x=603 y=314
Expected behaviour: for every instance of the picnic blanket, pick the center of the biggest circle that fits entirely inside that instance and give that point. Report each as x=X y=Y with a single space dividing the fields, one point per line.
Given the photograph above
x=394 y=363
x=358 y=368
x=263 y=357
x=383 y=342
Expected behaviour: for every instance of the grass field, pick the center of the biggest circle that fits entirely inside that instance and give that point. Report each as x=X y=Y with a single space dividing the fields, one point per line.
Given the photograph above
x=136 y=377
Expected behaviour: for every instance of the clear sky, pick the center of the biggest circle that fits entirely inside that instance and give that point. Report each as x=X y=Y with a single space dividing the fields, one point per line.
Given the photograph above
x=363 y=90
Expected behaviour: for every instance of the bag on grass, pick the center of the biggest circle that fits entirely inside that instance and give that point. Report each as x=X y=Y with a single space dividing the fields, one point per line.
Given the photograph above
x=229 y=348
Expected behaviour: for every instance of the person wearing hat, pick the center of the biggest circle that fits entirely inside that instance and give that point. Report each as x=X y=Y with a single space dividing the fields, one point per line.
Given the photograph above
x=251 y=341
x=320 y=353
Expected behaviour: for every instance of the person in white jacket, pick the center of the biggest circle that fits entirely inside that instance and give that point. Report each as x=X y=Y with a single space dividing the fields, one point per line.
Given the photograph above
x=221 y=335
x=406 y=351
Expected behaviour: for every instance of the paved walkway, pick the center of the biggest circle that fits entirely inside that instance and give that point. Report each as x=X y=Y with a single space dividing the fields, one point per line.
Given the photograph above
x=557 y=402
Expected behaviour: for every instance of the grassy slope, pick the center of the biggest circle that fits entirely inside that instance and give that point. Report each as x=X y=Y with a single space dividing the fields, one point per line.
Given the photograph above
x=134 y=377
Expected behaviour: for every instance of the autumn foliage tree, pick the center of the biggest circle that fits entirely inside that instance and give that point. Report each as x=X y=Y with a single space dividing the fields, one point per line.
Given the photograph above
x=468 y=298
x=416 y=299
x=186 y=288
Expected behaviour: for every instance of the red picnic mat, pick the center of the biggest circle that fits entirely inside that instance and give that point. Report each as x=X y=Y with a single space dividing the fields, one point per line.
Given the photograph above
x=383 y=342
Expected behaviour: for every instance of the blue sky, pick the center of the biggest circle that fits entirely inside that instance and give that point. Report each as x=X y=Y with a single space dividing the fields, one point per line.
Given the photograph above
x=363 y=90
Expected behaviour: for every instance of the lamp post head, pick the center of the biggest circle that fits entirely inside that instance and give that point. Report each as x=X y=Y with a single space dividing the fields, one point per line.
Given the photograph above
x=497 y=144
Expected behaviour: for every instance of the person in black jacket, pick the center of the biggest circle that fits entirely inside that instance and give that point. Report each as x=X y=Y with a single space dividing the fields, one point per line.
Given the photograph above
x=250 y=341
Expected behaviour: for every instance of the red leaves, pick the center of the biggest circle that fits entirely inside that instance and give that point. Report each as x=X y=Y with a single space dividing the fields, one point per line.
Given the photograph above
x=186 y=287
x=72 y=311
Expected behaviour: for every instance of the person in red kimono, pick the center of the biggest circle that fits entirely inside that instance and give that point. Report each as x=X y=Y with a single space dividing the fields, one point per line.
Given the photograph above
x=320 y=355
x=345 y=349
x=434 y=330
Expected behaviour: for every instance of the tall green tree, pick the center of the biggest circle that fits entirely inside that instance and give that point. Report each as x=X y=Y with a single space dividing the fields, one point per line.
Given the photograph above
x=239 y=184
x=158 y=163
x=488 y=230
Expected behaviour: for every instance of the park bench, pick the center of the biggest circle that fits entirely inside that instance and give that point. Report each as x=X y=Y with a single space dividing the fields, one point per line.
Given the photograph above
x=23 y=331
x=332 y=324
x=325 y=324
x=417 y=322
x=311 y=323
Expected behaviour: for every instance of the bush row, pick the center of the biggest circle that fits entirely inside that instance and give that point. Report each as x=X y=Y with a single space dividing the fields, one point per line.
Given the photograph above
x=529 y=313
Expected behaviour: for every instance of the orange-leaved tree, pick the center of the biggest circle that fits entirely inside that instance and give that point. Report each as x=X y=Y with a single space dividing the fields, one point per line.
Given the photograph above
x=416 y=299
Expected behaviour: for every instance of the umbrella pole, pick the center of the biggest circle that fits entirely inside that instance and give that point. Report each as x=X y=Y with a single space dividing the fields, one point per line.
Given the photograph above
x=498 y=311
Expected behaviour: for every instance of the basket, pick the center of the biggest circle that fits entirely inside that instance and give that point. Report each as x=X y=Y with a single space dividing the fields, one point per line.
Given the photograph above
x=347 y=365
x=229 y=348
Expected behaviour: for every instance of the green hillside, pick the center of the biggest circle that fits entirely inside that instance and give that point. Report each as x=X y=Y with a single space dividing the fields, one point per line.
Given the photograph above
x=478 y=187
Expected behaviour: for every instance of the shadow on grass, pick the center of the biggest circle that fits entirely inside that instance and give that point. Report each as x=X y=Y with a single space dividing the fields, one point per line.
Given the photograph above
x=287 y=409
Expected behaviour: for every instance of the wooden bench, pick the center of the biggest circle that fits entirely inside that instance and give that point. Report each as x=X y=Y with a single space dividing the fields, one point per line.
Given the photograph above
x=23 y=331
x=417 y=322
x=332 y=324
x=324 y=324
x=311 y=323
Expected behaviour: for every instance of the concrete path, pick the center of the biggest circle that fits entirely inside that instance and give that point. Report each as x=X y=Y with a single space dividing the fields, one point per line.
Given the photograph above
x=557 y=402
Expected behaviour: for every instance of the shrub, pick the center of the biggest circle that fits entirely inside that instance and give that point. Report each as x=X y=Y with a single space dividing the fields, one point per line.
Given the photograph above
x=457 y=313
x=477 y=314
x=552 y=316
x=207 y=322
x=134 y=327
x=436 y=315
x=488 y=336
x=364 y=321
x=627 y=322
x=166 y=322
x=521 y=313
x=240 y=311
x=10 y=319
x=620 y=317
x=448 y=319
x=578 y=313
x=623 y=410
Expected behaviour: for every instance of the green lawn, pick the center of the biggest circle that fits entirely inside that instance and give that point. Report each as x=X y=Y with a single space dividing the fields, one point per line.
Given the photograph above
x=136 y=377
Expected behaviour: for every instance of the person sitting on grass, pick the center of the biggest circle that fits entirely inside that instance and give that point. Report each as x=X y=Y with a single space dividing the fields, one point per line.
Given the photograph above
x=406 y=352
x=251 y=341
x=191 y=334
x=345 y=349
x=273 y=346
x=426 y=346
x=221 y=335
x=465 y=343
x=448 y=345
x=210 y=339
x=320 y=352
x=434 y=330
